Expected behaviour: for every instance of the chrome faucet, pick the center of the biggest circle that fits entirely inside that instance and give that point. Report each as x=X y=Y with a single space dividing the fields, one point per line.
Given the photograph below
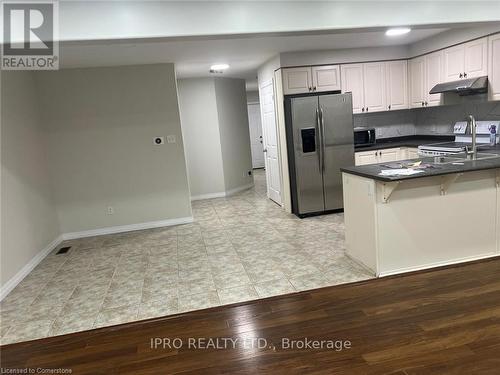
x=471 y=124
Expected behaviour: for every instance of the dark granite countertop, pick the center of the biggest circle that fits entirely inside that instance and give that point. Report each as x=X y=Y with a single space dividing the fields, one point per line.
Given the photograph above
x=406 y=141
x=372 y=171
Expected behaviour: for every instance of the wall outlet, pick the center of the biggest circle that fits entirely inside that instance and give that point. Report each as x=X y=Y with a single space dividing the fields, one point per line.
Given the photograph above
x=171 y=139
x=111 y=210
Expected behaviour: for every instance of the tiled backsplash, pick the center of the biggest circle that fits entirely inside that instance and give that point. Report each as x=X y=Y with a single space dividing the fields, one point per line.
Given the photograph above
x=388 y=124
x=440 y=120
x=433 y=120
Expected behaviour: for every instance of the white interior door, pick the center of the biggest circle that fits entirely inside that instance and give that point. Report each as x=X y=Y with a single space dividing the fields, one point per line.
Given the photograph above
x=270 y=134
x=256 y=138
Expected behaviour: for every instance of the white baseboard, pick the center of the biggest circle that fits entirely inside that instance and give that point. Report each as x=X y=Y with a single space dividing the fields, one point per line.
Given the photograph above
x=19 y=276
x=222 y=194
x=438 y=264
x=127 y=228
x=23 y=272
x=208 y=196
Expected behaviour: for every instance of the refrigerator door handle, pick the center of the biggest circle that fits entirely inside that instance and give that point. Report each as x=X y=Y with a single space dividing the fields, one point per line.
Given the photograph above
x=318 y=137
x=322 y=131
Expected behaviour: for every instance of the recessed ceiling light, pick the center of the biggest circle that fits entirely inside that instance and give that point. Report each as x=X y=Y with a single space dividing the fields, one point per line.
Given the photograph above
x=398 y=31
x=219 y=67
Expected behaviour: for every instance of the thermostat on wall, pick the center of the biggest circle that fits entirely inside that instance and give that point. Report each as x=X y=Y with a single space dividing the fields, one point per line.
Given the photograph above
x=159 y=140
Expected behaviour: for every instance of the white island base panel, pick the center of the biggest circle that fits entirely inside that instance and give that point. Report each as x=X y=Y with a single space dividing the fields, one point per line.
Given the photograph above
x=421 y=223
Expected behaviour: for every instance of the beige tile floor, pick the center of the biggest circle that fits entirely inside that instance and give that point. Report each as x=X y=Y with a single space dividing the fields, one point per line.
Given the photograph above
x=239 y=248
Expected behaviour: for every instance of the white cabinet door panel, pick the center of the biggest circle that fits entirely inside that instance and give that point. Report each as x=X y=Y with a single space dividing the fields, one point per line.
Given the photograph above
x=297 y=80
x=494 y=66
x=397 y=84
x=387 y=155
x=412 y=153
x=326 y=78
x=374 y=87
x=352 y=81
x=417 y=82
x=454 y=60
x=433 y=74
x=365 y=157
x=476 y=58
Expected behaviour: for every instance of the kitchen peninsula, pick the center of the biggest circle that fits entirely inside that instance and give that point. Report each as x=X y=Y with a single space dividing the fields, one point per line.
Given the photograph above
x=447 y=214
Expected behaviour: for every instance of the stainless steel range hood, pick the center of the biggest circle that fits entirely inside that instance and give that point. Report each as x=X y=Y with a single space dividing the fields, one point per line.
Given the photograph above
x=468 y=86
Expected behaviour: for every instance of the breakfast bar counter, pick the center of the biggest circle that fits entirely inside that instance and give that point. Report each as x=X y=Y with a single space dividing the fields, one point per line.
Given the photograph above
x=444 y=215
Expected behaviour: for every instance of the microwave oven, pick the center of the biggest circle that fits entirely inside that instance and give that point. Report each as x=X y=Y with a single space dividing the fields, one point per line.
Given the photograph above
x=364 y=136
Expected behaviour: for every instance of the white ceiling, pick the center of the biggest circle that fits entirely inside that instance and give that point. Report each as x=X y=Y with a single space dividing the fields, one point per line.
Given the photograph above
x=193 y=57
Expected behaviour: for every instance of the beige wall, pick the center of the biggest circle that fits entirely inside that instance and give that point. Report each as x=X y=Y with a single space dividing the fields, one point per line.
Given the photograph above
x=29 y=221
x=234 y=133
x=100 y=124
x=216 y=136
x=200 y=128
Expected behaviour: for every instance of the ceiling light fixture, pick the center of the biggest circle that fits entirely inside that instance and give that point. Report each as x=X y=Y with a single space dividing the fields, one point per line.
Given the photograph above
x=398 y=31
x=218 y=68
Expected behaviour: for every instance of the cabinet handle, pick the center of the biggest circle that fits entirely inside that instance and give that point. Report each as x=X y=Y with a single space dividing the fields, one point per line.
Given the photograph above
x=366 y=109
x=426 y=104
x=363 y=109
x=389 y=106
x=310 y=88
x=460 y=75
x=465 y=75
x=314 y=88
x=422 y=104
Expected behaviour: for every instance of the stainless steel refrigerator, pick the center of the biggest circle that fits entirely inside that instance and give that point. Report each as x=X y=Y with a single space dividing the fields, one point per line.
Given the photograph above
x=320 y=140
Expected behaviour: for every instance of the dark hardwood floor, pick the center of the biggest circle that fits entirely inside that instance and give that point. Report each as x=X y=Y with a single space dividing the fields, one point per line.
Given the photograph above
x=445 y=321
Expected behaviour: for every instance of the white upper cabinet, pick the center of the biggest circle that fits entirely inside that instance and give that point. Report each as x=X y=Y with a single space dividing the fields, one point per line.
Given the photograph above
x=352 y=81
x=396 y=77
x=454 y=63
x=297 y=80
x=374 y=87
x=311 y=79
x=425 y=72
x=417 y=82
x=494 y=66
x=433 y=76
x=466 y=60
x=326 y=78
x=476 y=58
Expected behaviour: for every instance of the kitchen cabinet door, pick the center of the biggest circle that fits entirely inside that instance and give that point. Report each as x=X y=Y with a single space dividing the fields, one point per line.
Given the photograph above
x=365 y=157
x=476 y=58
x=454 y=63
x=396 y=75
x=412 y=153
x=388 y=155
x=374 y=87
x=326 y=78
x=297 y=80
x=433 y=76
x=417 y=82
x=494 y=66
x=351 y=77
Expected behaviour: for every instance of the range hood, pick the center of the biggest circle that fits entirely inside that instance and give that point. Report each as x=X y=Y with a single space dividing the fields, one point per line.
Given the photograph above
x=468 y=86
